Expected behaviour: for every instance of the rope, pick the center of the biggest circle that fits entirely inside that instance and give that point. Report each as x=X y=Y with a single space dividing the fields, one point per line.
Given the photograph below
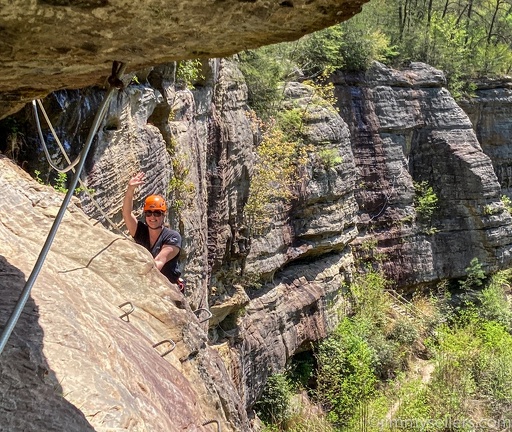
x=71 y=164
x=15 y=315
x=45 y=148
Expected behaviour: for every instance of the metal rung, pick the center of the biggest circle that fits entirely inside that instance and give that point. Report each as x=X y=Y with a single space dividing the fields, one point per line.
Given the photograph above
x=170 y=341
x=203 y=309
x=125 y=315
x=212 y=421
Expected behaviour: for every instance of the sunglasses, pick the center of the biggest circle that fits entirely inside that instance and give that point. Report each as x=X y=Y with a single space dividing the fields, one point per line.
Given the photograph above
x=157 y=213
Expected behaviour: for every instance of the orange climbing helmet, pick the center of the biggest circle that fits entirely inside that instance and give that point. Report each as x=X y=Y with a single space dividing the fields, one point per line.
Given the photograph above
x=155 y=202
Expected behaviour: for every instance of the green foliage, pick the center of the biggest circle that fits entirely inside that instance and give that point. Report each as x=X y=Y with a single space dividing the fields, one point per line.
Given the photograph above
x=180 y=188
x=494 y=367
x=490 y=210
x=274 y=404
x=413 y=397
x=323 y=93
x=275 y=172
x=492 y=301
x=290 y=122
x=475 y=275
x=60 y=183
x=264 y=69
x=345 y=370
x=318 y=54
x=14 y=138
x=370 y=301
x=446 y=48
x=361 y=46
x=404 y=332
x=37 y=177
x=465 y=39
x=329 y=158
x=507 y=202
x=189 y=72
x=362 y=376
x=474 y=361
x=425 y=202
x=452 y=382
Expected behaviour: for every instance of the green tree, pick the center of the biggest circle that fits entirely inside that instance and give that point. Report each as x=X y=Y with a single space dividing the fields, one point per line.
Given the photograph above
x=273 y=405
x=346 y=376
x=475 y=275
x=425 y=202
x=264 y=69
x=188 y=72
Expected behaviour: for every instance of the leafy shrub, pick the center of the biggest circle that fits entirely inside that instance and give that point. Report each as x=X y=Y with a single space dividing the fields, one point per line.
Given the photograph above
x=273 y=405
x=389 y=359
x=404 y=332
x=60 y=183
x=475 y=275
x=181 y=189
x=345 y=372
x=425 y=201
x=290 y=122
x=492 y=301
x=188 y=72
x=275 y=172
x=507 y=202
x=371 y=302
x=329 y=158
x=263 y=69
x=318 y=54
x=361 y=46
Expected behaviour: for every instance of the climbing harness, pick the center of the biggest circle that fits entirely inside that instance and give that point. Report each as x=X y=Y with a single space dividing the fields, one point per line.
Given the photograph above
x=71 y=165
x=15 y=315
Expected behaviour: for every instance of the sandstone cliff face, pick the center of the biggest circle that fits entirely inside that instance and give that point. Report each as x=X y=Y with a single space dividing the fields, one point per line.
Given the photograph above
x=489 y=111
x=72 y=363
x=48 y=45
x=395 y=128
x=406 y=128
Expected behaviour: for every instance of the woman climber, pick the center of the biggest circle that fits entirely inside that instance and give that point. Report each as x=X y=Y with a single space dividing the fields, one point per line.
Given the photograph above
x=163 y=243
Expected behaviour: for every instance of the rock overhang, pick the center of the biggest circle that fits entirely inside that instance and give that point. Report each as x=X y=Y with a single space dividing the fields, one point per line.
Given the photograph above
x=47 y=45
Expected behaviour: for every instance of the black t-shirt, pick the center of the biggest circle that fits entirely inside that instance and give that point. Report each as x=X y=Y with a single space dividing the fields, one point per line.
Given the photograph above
x=167 y=237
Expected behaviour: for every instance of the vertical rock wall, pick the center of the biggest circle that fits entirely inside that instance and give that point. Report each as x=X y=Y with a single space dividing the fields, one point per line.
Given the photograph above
x=407 y=128
x=198 y=147
x=489 y=110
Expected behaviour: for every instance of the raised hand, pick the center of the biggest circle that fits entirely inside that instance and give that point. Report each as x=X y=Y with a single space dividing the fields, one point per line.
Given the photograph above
x=137 y=180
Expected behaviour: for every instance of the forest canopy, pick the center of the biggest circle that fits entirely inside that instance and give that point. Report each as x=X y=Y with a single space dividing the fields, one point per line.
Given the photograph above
x=467 y=39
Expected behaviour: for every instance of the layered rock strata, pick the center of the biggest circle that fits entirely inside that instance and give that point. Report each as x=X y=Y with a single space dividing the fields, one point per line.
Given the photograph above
x=73 y=362
x=489 y=110
x=48 y=45
x=272 y=292
x=406 y=128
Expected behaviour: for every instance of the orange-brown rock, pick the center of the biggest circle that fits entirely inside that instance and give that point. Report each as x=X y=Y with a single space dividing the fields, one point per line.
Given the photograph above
x=72 y=364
